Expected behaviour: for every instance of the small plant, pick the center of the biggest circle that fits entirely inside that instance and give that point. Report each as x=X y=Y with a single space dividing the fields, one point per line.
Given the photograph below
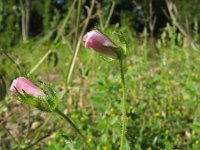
x=45 y=100
x=97 y=41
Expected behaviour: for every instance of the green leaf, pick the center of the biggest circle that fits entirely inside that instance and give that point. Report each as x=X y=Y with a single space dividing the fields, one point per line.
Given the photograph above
x=68 y=142
x=126 y=145
x=195 y=126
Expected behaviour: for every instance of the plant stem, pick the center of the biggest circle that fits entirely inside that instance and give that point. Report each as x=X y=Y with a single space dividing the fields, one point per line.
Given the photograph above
x=62 y=26
x=77 y=21
x=41 y=61
x=28 y=122
x=110 y=14
x=43 y=125
x=10 y=134
x=79 y=42
x=124 y=118
x=60 y=113
x=36 y=142
x=13 y=61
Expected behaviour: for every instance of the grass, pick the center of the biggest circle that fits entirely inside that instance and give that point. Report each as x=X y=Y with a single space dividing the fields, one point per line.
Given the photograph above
x=163 y=93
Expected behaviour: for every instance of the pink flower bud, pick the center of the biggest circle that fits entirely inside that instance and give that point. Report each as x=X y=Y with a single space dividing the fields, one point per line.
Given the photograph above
x=23 y=84
x=97 y=41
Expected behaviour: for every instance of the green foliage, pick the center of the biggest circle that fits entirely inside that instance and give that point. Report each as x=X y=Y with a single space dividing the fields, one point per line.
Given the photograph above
x=1 y=13
x=162 y=80
x=192 y=7
x=46 y=16
x=8 y=24
x=162 y=96
x=169 y=37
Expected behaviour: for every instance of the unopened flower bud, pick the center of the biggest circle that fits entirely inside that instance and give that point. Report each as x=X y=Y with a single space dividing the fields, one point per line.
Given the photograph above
x=97 y=41
x=23 y=84
x=34 y=96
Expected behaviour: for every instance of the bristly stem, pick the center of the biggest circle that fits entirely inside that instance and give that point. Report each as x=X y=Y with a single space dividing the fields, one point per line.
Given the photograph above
x=60 y=113
x=124 y=117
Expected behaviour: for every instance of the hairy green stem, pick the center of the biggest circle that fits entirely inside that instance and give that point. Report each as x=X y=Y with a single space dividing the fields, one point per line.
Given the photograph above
x=60 y=113
x=124 y=117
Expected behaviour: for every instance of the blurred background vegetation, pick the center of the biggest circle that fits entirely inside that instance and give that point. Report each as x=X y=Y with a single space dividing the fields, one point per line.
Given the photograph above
x=39 y=38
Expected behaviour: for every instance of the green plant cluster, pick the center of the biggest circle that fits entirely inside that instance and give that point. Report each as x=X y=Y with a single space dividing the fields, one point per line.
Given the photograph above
x=162 y=83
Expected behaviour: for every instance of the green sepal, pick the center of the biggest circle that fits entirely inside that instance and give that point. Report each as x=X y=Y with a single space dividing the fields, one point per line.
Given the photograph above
x=122 y=49
x=46 y=103
x=120 y=52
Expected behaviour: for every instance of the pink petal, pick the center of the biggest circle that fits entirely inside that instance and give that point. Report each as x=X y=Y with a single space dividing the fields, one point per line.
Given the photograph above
x=97 y=41
x=23 y=84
